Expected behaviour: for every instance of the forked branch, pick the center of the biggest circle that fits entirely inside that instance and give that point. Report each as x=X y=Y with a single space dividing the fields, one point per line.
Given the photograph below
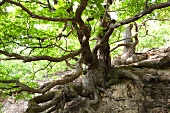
x=37 y=16
x=37 y=58
x=46 y=87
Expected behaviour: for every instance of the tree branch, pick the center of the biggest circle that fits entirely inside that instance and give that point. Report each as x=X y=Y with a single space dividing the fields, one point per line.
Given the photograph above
x=119 y=46
x=49 y=5
x=80 y=10
x=21 y=86
x=3 y=2
x=136 y=34
x=146 y=4
x=67 y=79
x=52 y=98
x=38 y=16
x=46 y=87
x=105 y=15
x=132 y=19
x=69 y=65
x=37 y=2
x=36 y=58
x=141 y=14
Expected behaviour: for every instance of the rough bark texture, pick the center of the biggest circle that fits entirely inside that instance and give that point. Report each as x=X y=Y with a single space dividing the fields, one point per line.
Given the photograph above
x=129 y=96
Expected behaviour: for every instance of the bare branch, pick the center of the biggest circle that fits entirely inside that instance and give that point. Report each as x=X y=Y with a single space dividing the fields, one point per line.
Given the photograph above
x=40 y=46
x=157 y=19
x=146 y=4
x=43 y=68
x=80 y=10
x=69 y=64
x=136 y=34
x=3 y=2
x=46 y=87
x=55 y=2
x=67 y=79
x=132 y=19
x=49 y=5
x=119 y=46
x=105 y=15
x=36 y=58
x=129 y=44
x=38 y=2
x=22 y=87
x=38 y=16
x=8 y=59
x=141 y=14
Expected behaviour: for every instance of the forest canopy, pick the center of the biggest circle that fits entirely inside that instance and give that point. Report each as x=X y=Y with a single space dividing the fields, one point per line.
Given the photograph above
x=40 y=38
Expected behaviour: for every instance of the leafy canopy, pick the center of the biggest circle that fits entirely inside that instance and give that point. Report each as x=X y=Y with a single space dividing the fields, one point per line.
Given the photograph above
x=33 y=28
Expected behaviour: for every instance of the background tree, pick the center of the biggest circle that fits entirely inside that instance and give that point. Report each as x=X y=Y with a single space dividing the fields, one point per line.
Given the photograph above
x=39 y=38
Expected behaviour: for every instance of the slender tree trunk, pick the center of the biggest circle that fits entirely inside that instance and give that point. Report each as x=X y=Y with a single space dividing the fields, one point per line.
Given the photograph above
x=129 y=49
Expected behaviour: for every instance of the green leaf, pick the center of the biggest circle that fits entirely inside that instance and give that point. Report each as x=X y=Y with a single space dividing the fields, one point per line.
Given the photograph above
x=60 y=4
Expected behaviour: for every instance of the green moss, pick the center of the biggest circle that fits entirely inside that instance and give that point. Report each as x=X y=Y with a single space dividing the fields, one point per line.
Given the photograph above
x=113 y=81
x=77 y=88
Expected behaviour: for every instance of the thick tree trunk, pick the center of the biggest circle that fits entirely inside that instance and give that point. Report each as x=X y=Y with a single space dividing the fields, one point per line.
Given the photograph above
x=143 y=87
x=134 y=90
x=129 y=49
